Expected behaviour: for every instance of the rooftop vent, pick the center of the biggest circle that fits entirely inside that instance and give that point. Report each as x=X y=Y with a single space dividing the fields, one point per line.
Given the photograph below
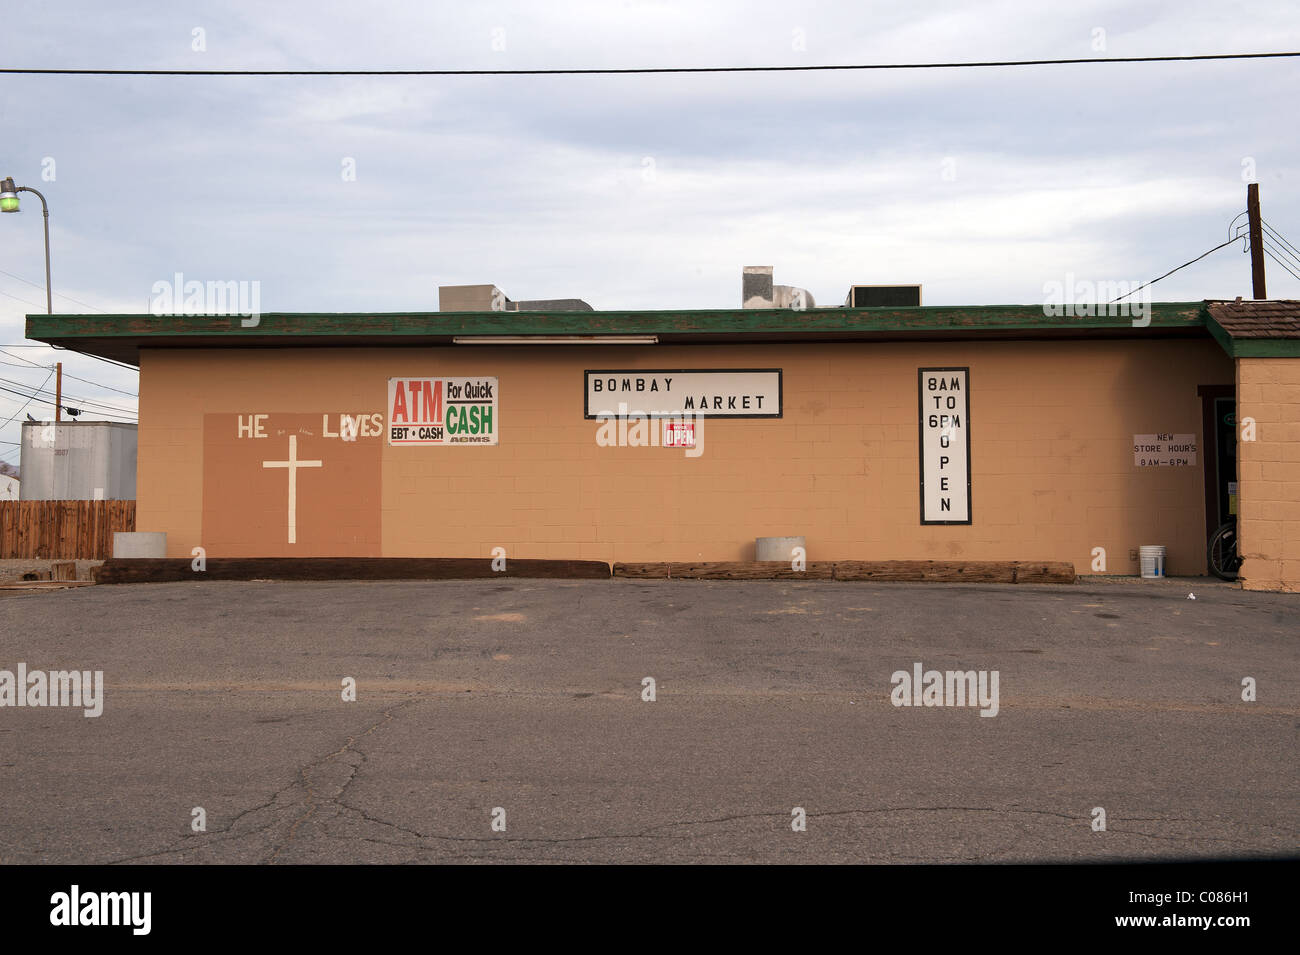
x=757 y=291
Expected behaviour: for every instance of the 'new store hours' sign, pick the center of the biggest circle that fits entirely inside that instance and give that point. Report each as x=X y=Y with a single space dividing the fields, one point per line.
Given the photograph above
x=945 y=445
x=1164 y=450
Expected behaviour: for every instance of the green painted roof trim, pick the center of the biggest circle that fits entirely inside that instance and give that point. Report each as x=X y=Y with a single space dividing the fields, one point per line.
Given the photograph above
x=1265 y=348
x=1220 y=335
x=121 y=336
x=1252 y=347
x=1030 y=318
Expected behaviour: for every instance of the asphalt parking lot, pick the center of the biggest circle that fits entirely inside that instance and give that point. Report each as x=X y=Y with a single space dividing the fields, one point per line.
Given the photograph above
x=474 y=697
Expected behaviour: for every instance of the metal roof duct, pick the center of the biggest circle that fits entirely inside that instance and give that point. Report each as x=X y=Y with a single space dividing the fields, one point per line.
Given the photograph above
x=757 y=291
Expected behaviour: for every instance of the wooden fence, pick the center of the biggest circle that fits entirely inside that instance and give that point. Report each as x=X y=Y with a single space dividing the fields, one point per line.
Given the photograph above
x=62 y=530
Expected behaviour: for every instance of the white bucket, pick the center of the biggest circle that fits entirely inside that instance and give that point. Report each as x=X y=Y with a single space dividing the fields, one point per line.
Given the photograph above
x=1153 y=561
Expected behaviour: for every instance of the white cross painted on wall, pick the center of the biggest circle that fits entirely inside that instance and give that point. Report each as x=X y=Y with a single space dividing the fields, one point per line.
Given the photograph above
x=293 y=464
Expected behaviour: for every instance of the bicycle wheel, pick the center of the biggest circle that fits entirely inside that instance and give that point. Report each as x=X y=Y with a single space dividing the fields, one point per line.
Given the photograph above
x=1223 y=558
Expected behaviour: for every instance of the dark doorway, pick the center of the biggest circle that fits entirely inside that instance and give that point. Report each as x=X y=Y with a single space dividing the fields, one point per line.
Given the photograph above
x=1219 y=443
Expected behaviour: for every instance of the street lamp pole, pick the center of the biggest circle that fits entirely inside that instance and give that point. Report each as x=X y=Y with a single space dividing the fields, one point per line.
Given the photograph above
x=9 y=203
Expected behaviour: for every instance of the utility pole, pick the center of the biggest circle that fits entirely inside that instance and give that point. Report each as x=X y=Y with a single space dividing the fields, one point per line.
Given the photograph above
x=58 y=392
x=1256 y=241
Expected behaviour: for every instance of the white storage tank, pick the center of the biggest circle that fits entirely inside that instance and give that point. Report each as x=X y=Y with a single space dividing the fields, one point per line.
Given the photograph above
x=78 y=461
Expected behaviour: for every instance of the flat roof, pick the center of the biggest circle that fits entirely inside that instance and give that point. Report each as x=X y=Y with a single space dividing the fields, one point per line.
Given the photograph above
x=120 y=337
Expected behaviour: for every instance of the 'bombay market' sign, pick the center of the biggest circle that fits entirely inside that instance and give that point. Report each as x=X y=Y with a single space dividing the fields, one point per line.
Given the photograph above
x=719 y=393
x=442 y=411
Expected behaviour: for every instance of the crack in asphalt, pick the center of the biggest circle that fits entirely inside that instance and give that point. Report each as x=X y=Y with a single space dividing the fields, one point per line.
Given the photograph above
x=498 y=857
x=649 y=832
x=191 y=847
x=300 y=779
x=313 y=805
x=350 y=755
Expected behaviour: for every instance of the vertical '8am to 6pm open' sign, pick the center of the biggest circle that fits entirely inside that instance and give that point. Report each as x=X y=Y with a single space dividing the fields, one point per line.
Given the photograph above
x=944 y=418
x=438 y=411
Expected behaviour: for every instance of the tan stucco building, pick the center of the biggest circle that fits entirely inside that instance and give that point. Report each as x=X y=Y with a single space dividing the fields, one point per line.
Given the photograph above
x=451 y=434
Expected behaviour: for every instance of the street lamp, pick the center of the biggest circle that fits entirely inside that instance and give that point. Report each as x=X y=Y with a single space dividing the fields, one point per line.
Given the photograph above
x=9 y=203
x=9 y=197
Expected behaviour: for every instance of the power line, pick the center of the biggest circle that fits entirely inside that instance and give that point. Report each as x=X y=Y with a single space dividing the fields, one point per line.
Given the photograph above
x=1172 y=271
x=93 y=405
x=84 y=354
x=95 y=414
x=111 y=361
x=21 y=358
x=129 y=394
x=1272 y=249
x=17 y=299
x=66 y=399
x=660 y=69
x=1287 y=268
x=1269 y=227
x=29 y=402
x=1291 y=249
x=99 y=415
x=70 y=402
x=97 y=384
x=1269 y=249
x=42 y=288
x=66 y=376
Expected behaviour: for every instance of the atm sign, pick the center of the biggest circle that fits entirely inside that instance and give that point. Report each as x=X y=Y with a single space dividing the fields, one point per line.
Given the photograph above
x=442 y=411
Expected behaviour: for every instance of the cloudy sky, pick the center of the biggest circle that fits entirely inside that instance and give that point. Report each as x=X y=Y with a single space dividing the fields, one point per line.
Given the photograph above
x=629 y=191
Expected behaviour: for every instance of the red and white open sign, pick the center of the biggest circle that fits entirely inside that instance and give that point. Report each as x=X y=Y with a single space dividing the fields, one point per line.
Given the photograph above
x=679 y=434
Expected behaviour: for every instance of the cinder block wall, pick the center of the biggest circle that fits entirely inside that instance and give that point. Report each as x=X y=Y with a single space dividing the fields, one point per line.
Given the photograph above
x=1268 y=473
x=1052 y=426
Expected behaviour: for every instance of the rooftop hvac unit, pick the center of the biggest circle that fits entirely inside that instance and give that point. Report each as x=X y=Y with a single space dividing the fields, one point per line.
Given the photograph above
x=883 y=296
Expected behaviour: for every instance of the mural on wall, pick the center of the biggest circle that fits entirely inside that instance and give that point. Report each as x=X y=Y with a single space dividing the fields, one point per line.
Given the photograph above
x=292 y=484
x=309 y=484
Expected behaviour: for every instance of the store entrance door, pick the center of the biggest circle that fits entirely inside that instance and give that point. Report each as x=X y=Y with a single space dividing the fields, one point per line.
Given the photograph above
x=1219 y=442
